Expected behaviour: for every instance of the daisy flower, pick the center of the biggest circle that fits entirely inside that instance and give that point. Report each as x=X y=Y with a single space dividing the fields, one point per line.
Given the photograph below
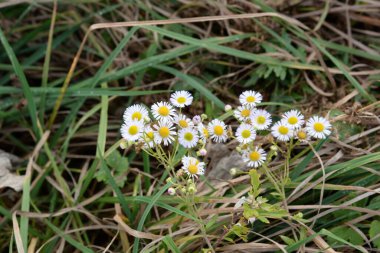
x=217 y=130
x=147 y=137
x=135 y=112
x=245 y=133
x=181 y=98
x=188 y=137
x=318 y=127
x=250 y=98
x=203 y=132
x=255 y=158
x=244 y=113
x=301 y=135
x=261 y=119
x=192 y=166
x=294 y=119
x=282 y=131
x=182 y=121
x=164 y=132
x=131 y=130
x=163 y=110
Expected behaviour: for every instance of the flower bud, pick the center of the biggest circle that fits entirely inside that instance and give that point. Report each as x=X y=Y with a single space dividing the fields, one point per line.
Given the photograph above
x=204 y=116
x=179 y=173
x=171 y=191
x=197 y=119
x=169 y=180
x=227 y=108
x=233 y=171
x=251 y=220
x=123 y=144
x=183 y=190
x=202 y=152
x=192 y=189
x=146 y=119
x=273 y=148
x=238 y=149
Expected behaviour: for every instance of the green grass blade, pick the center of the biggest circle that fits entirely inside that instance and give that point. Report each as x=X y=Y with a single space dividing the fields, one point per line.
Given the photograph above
x=24 y=83
x=171 y=244
x=115 y=188
x=145 y=215
x=68 y=238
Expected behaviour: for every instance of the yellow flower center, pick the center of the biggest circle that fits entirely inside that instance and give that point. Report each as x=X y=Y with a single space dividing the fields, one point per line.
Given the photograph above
x=254 y=156
x=293 y=120
x=163 y=111
x=250 y=99
x=205 y=132
x=183 y=123
x=246 y=133
x=245 y=113
x=137 y=115
x=193 y=169
x=150 y=135
x=218 y=130
x=301 y=135
x=188 y=136
x=319 y=127
x=261 y=120
x=283 y=130
x=164 y=132
x=133 y=130
x=181 y=100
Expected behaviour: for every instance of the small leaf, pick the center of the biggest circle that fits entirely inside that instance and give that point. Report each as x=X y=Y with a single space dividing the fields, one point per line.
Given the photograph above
x=289 y=241
x=346 y=234
x=374 y=231
x=255 y=182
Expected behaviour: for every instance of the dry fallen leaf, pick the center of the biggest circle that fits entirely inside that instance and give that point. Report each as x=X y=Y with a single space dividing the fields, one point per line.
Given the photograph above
x=7 y=179
x=222 y=159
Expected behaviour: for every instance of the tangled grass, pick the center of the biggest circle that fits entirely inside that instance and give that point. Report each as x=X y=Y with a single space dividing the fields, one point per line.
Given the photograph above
x=69 y=71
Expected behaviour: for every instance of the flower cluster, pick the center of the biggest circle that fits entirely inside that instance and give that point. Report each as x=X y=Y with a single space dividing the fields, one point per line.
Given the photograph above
x=166 y=124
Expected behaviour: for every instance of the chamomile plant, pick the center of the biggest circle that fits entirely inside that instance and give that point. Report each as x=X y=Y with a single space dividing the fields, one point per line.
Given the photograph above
x=179 y=141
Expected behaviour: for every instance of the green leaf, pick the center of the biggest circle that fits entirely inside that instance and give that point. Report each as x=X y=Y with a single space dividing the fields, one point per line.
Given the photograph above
x=117 y=162
x=345 y=233
x=374 y=231
x=289 y=241
x=255 y=182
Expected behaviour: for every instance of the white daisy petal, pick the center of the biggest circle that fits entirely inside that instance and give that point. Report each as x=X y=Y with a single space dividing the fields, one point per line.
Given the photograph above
x=318 y=127
x=192 y=166
x=217 y=130
x=294 y=119
x=250 y=98
x=261 y=119
x=135 y=112
x=188 y=137
x=181 y=98
x=131 y=130
x=245 y=133
x=163 y=110
x=255 y=158
x=164 y=132
x=282 y=131
x=244 y=113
